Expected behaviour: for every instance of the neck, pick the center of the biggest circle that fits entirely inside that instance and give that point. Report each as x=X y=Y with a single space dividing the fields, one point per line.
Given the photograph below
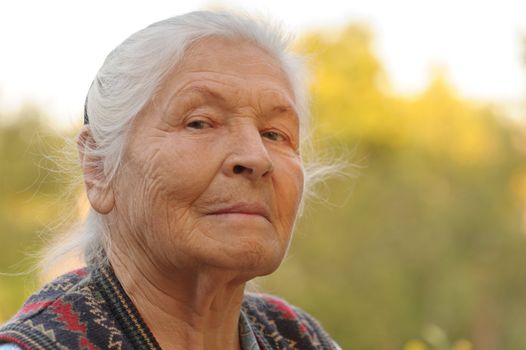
x=184 y=310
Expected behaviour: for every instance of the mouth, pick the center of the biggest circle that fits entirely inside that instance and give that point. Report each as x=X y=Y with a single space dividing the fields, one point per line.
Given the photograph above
x=248 y=209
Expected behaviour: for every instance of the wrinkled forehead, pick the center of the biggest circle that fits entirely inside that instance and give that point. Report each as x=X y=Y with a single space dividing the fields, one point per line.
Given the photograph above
x=229 y=50
x=230 y=60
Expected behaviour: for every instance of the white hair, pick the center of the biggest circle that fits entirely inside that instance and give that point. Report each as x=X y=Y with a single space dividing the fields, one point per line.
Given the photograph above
x=129 y=79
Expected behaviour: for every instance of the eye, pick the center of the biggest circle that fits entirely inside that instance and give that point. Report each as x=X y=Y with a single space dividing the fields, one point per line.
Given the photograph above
x=274 y=135
x=198 y=124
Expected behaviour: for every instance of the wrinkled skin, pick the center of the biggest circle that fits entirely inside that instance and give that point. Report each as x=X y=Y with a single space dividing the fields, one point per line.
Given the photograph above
x=208 y=192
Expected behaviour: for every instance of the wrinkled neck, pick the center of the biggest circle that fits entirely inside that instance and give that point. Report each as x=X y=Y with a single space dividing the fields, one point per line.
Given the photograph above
x=184 y=310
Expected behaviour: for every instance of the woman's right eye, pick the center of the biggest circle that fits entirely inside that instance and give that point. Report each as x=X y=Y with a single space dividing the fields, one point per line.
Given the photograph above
x=198 y=124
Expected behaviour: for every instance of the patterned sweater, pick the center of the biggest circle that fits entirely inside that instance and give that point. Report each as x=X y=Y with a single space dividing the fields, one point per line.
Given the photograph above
x=89 y=309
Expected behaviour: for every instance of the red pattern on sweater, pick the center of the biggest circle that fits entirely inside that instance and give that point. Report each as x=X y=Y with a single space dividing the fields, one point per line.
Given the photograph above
x=285 y=310
x=68 y=317
x=31 y=307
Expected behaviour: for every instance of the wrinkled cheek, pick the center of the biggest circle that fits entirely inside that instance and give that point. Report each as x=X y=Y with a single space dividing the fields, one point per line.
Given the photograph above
x=180 y=191
x=186 y=175
x=174 y=186
x=292 y=196
x=297 y=175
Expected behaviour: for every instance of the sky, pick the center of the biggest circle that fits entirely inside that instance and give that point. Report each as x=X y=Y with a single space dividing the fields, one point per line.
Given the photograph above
x=51 y=50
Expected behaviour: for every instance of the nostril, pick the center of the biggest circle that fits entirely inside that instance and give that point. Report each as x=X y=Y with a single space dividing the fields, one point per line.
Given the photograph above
x=238 y=169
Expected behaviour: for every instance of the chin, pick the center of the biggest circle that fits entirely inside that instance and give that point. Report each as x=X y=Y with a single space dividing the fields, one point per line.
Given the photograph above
x=249 y=259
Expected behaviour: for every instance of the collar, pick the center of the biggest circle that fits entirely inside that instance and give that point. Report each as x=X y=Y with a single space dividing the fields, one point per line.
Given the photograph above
x=132 y=323
x=124 y=310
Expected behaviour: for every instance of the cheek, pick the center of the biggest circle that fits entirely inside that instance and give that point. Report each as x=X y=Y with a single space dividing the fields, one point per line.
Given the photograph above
x=289 y=191
x=167 y=180
x=185 y=170
x=164 y=176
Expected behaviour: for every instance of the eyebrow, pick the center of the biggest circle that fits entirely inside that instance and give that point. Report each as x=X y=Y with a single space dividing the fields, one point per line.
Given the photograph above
x=284 y=107
x=186 y=93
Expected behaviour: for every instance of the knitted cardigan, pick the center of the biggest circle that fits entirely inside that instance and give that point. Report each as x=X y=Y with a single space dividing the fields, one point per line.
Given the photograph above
x=89 y=309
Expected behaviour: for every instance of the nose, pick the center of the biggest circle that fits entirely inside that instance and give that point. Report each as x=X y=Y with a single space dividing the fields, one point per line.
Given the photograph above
x=248 y=155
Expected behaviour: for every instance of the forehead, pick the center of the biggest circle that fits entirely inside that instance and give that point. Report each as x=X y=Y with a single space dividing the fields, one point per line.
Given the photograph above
x=229 y=63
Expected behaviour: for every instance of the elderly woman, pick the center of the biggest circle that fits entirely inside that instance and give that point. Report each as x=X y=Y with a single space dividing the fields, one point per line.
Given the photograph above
x=191 y=160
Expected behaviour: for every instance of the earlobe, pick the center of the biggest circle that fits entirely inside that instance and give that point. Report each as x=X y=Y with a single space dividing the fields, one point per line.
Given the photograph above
x=98 y=188
x=101 y=199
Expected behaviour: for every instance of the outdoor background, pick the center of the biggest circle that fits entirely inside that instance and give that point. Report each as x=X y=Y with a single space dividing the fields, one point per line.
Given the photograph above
x=421 y=245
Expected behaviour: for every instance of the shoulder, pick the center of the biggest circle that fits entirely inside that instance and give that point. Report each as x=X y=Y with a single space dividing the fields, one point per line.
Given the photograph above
x=51 y=294
x=50 y=313
x=281 y=323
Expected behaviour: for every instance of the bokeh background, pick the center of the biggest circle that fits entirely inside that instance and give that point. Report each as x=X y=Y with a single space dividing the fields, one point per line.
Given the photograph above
x=420 y=245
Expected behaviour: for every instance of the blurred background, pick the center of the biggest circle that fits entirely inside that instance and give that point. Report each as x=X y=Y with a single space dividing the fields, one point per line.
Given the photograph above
x=421 y=246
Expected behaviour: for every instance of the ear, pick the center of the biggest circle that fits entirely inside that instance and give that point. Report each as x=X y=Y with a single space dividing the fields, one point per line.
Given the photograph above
x=100 y=193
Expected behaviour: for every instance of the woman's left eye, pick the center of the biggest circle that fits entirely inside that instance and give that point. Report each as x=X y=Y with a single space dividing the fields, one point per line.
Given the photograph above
x=198 y=124
x=274 y=135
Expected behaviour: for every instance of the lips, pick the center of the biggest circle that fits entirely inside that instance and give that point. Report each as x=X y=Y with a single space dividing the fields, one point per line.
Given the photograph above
x=255 y=209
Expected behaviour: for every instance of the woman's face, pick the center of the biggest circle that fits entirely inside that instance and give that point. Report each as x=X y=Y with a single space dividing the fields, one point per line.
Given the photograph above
x=211 y=176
